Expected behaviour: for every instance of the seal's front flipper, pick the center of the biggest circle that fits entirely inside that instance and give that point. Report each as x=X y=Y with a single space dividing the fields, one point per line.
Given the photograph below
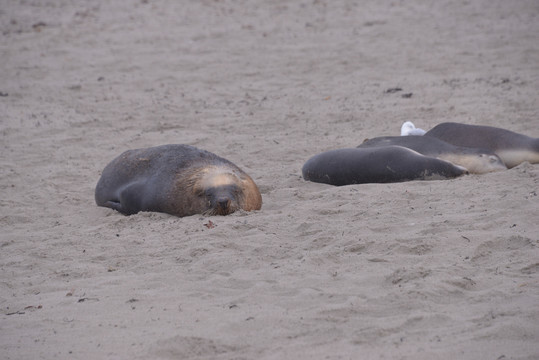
x=128 y=200
x=115 y=205
x=131 y=198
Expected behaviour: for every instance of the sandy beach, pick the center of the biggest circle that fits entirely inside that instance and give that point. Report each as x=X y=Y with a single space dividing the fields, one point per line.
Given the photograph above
x=414 y=270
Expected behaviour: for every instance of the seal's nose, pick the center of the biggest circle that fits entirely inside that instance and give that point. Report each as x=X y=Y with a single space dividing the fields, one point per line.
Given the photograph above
x=223 y=202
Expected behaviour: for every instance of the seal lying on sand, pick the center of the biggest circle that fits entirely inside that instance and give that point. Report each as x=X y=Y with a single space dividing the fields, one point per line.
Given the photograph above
x=477 y=161
x=179 y=180
x=511 y=147
x=376 y=165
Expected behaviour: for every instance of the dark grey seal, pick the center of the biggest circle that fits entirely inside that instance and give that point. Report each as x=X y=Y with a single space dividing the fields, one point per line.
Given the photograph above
x=376 y=165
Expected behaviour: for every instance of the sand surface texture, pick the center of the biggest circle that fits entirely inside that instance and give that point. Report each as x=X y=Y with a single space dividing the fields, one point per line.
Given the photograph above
x=415 y=270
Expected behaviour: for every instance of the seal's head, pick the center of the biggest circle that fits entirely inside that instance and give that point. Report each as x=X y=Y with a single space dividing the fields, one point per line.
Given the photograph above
x=477 y=162
x=221 y=191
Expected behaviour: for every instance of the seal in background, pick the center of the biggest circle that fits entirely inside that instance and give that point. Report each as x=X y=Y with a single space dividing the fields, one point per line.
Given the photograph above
x=477 y=161
x=376 y=165
x=511 y=147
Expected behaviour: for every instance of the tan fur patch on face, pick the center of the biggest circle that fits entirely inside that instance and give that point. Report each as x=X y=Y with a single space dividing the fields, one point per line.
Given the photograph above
x=218 y=176
x=476 y=164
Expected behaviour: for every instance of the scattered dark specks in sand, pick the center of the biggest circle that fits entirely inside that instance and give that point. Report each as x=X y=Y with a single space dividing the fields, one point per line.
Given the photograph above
x=87 y=299
x=22 y=312
x=397 y=89
x=132 y=300
x=37 y=26
x=530 y=269
x=374 y=22
x=16 y=313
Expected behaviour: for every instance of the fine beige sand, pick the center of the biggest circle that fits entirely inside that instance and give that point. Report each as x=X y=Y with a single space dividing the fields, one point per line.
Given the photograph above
x=414 y=270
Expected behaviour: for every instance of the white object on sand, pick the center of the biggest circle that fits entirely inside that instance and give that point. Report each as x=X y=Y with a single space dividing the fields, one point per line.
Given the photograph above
x=408 y=128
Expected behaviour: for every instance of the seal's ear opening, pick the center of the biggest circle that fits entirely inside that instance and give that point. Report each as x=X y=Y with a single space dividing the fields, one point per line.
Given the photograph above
x=199 y=192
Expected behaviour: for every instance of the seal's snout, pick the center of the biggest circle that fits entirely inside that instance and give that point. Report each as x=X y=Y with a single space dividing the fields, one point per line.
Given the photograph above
x=223 y=203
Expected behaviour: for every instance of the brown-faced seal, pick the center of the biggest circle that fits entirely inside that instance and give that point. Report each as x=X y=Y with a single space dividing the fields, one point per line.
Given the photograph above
x=179 y=180
x=476 y=161
x=511 y=147
x=376 y=165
